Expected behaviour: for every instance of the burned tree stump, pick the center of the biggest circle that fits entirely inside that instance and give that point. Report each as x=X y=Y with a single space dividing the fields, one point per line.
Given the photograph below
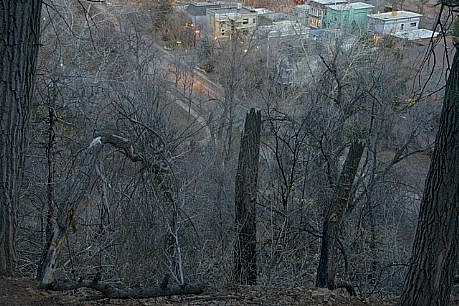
x=245 y=258
x=326 y=270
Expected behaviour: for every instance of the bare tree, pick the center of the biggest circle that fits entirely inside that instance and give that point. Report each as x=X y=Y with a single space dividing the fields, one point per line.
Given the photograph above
x=431 y=272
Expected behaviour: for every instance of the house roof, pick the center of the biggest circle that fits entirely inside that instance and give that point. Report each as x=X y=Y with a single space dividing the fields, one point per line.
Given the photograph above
x=301 y=7
x=416 y=34
x=328 y=2
x=231 y=10
x=394 y=15
x=262 y=10
x=348 y=6
x=200 y=8
x=277 y=16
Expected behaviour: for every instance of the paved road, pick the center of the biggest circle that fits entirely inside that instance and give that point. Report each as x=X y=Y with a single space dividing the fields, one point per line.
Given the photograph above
x=202 y=84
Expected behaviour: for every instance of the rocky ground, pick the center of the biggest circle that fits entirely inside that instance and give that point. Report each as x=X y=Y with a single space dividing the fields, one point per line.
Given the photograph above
x=22 y=291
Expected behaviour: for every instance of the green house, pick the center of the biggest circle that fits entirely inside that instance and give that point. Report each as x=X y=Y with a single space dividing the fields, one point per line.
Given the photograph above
x=351 y=15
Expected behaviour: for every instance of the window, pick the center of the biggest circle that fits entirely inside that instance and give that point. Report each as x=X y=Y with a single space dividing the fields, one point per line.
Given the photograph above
x=245 y=21
x=402 y=26
x=413 y=24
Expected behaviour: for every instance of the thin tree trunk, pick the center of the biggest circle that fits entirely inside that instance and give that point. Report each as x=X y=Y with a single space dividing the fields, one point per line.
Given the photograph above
x=245 y=199
x=19 y=32
x=49 y=185
x=326 y=271
x=431 y=272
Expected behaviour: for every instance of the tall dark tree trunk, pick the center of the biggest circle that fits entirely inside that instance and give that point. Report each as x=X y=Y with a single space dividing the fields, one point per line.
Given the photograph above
x=19 y=32
x=245 y=256
x=326 y=271
x=431 y=271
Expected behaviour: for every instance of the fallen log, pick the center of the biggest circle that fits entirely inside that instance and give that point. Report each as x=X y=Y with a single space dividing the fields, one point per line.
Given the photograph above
x=114 y=292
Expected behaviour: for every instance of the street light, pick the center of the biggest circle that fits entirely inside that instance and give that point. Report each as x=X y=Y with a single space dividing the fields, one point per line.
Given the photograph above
x=196 y=33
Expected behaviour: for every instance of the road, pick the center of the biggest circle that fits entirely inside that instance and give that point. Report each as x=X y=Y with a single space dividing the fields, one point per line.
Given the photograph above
x=202 y=84
x=204 y=89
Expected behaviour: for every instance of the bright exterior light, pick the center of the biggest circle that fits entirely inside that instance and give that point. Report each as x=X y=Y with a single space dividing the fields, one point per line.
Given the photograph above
x=245 y=50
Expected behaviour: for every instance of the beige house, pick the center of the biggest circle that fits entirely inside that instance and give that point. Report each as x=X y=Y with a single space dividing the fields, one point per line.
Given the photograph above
x=223 y=22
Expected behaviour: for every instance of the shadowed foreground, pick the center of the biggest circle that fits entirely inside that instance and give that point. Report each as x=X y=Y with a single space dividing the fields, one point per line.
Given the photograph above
x=23 y=291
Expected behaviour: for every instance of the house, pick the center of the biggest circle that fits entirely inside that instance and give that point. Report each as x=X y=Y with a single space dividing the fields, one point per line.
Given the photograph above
x=350 y=16
x=418 y=35
x=262 y=11
x=273 y=17
x=318 y=11
x=197 y=16
x=301 y=13
x=393 y=22
x=223 y=22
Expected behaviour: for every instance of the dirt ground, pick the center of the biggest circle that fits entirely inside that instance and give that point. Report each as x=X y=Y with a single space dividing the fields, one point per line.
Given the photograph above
x=23 y=291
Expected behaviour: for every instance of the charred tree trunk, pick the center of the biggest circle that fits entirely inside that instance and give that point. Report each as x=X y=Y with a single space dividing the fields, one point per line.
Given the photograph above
x=19 y=32
x=328 y=252
x=431 y=272
x=245 y=199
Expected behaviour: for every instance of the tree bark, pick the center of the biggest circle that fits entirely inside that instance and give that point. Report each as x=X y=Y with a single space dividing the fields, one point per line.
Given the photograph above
x=19 y=32
x=326 y=271
x=245 y=199
x=431 y=272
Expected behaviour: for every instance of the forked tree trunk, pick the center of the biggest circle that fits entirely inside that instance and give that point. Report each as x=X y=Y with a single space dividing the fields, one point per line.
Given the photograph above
x=75 y=193
x=431 y=272
x=79 y=186
x=326 y=272
x=19 y=32
x=245 y=257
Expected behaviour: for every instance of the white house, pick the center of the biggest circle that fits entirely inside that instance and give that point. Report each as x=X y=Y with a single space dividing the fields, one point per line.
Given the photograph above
x=393 y=22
